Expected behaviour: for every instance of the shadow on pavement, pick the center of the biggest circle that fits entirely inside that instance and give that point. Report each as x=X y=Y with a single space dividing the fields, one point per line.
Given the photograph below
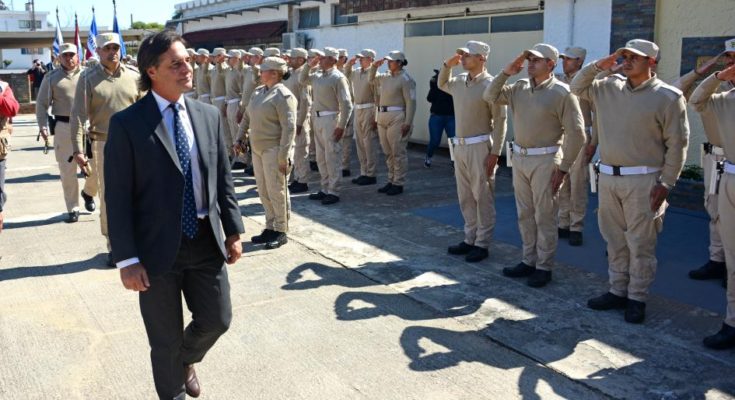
x=97 y=262
x=33 y=178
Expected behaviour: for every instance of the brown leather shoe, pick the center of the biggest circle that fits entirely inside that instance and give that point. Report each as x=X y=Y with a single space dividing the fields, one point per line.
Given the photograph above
x=191 y=381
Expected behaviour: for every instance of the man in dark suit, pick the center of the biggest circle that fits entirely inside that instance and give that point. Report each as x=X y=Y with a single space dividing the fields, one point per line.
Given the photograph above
x=170 y=197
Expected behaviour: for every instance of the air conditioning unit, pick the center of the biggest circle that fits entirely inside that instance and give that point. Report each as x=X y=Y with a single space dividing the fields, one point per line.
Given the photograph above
x=293 y=39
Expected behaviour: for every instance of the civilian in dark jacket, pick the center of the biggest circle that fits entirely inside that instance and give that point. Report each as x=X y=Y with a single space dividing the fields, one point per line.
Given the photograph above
x=441 y=119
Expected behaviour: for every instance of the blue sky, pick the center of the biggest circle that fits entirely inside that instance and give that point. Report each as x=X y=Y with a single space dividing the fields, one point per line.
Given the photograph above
x=142 y=10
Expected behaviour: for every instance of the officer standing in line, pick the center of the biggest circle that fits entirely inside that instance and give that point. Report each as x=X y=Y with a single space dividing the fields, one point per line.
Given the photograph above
x=233 y=93
x=331 y=109
x=57 y=91
x=643 y=133
x=297 y=60
x=722 y=105
x=249 y=82
x=101 y=92
x=349 y=131
x=203 y=78
x=573 y=194
x=480 y=135
x=312 y=54
x=366 y=127
x=218 y=76
x=546 y=116
x=195 y=68
x=397 y=93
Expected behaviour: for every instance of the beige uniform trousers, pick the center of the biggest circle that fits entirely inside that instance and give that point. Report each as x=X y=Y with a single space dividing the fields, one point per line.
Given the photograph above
x=476 y=193
x=328 y=153
x=222 y=107
x=727 y=230
x=312 y=139
x=631 y=230
x=347 y=142
x=394 y=145
x=366 y=140
x=573 y=194
x=716 y=252
x=67 y=170
x=537 y=207
x=302 y=142
x=98 y=163
x=272 y=189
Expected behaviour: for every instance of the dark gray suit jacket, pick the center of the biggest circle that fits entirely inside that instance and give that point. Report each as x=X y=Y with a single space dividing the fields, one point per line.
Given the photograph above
x=144 y=185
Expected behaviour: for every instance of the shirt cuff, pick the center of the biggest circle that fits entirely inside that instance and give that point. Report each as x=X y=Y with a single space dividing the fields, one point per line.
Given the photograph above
x=126 y=263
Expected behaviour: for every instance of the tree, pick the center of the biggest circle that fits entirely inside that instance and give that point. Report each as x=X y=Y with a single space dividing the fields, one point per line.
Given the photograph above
x=154 y=26
x=3 y=6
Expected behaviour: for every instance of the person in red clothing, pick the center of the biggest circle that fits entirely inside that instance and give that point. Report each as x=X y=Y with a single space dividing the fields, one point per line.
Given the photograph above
x=8 y=109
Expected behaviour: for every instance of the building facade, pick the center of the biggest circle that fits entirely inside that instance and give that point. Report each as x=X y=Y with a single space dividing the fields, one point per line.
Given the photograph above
x=21 y=21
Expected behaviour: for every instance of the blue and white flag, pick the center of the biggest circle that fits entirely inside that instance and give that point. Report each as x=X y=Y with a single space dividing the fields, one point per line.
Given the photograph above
x=116 y=29
x=58 y=39
x=92 y=38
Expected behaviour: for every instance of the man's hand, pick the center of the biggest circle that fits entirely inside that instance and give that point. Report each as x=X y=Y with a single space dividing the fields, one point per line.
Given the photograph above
x=135 y=278
x=352 y=61
x=283 y=167
x=515 y=66
x=239 y=147
x=490 y=163
x=556 y=180
x=239 y=116
x=44 y=133
x=589 y=152
x=405 y=129
x=608 y=62
x=314 y=62
x=299 y=129
x=338 y=133
x=81 y=159
x=728 y=74
x=453 y=61
x=378 y=63
x=706 y=67
x=374 y=125
x=658 y=195
x=234 y=248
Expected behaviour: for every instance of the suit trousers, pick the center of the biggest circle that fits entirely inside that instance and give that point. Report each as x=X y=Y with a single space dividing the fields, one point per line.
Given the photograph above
x=573 y=194
x=727 y=230
x=366 y=139
x=67 y=170
x=347 y=139
x=98 y=164
x=199 y=273
x=716 y=251
x=328 y=154
x=272 y=189
x=631 y=230
x=394 y=145
x=476 y=193
x=302 y=141
x=537 y=207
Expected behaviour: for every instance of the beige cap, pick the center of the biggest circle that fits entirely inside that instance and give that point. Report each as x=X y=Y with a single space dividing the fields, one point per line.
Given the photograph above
x=271 y=52
x=343 y=53
x=219 y=51
x=315 y=53
x=191 y=51
x=255 y=51
x=574 y=52
x=234 y=54
x=395 y=55
x=475 y=48
x=287 y=53
x=68 y=48
x=369 y=53
x=203 y=52
x=543 y=50
x=331 y=52
x=103 y=39
x=641 y=47
x=730 y=45
x=299 y=52
x=274 y=64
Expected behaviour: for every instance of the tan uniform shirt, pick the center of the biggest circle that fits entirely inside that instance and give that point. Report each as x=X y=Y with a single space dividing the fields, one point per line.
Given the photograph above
x=543 y=116
x=204 y=77
x=474 y=115
x=364 y=91
x=396 y=91
x=249 y=82
x=217 y=80
x=271 y=118
x=330 y=92
x=233 y=84
x=709 y=120
x=721 y=106
x=57 y=91
x=645 y=126
x=100 y=94
x=584 y=105
x=302 y=95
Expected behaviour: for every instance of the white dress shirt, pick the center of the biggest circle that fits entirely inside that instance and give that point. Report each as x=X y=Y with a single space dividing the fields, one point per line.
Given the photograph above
x=196 y=172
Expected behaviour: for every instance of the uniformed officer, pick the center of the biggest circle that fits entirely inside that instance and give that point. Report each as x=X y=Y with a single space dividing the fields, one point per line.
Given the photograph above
x=57 y=91
x=250 y=79
x=397 y=94
x=365 y=94
x=297 y=60
x=712 y=153
x=271 y=119
x=480 y=134
x=203 y=78
x=643 y=132
x=350 y=129
x=546 y=116
x=194 y=67
x=218 y=92
x=722 y=107
x=271 y=52
x=312 y=54
x=331 y=109
x=573 y=194
x=101 y=92
x=233 y=92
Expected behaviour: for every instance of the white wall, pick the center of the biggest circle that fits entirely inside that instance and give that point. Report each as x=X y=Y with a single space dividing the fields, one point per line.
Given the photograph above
x=9 y=23
x=379 y=36
x=582 y=23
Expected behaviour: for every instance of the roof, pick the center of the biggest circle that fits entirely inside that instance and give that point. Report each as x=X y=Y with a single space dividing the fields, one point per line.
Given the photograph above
x=255 y=33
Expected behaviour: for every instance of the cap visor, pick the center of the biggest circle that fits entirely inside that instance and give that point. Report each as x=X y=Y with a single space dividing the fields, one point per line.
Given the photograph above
x=533 y=53
x=622 y=50
x=463 y=50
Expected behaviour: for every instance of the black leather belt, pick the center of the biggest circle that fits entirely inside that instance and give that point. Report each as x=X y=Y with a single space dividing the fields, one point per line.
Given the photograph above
x=61 y=118
x=707 y=147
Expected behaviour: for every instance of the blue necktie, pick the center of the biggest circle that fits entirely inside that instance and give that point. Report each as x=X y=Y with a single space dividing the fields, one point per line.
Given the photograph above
x=189 y=212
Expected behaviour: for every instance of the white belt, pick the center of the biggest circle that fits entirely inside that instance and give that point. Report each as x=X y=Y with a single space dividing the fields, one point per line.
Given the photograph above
x=232 y=101
x=219 y=98
x=364 y=106
x=470 y=140
x=325 y=113
x=718 y=151
x=622 y=171
x=729 y=168
x=534 y=151
x=203 y=95
x=390 y=108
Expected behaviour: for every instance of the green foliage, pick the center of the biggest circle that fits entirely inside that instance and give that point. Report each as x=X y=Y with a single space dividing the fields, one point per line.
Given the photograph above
x=7 y=62
x=154 y=26
x=693 y=172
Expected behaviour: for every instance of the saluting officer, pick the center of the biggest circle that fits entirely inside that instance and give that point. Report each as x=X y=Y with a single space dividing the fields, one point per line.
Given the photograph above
x=218 y=92
x=350 y=129
x=297 y=60
x=643 y=132
x=365 y=94
x=195 y=68
x=233 y=93
x=546 y=116
x=203 y=78
x=480 y=134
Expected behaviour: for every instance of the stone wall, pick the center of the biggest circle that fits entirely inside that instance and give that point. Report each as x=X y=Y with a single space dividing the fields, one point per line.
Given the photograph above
x=632 y=19
x=20 y=84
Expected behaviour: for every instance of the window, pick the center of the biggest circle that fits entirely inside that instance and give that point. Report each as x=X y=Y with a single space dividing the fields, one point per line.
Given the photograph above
x=339 y=19
x=308 y=18
x=432 y=28
x=466 y=26
x=31 y=51
x=26 y=24
x=517 y=23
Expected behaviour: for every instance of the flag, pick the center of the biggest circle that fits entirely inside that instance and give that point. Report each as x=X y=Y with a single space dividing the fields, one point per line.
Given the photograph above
x=58 y=39
x=77 y=39
x=92 y=39
x=116 y=29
